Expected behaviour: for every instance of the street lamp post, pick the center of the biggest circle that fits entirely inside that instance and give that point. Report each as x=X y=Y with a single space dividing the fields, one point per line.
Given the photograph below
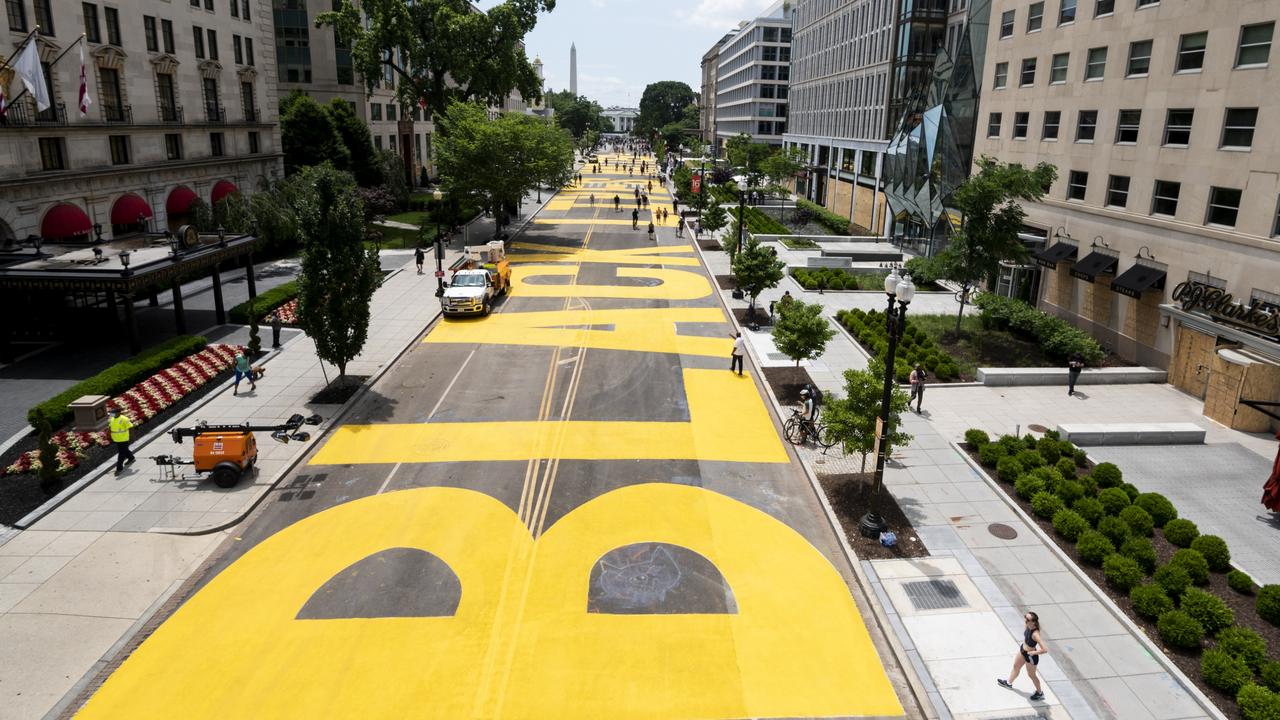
x=901 y=290
x=742 y=216
x=439 y=247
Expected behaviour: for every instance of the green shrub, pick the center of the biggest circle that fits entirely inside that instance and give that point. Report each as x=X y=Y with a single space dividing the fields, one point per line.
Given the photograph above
x=1030 y=459
x=1028 y=485
x=1046 y=504
x=117 y=378
x=1139 y=522
x=1215 y=552
x=976 y=438
x=1180 y=630
x=1090 y=509
x=1008 y=469
x=1113 y=500
x=1089 y=486
x=1069 y=524
x=1158 y=507
x=1057 y=337
x=833 y=223
x=1194 y=563
x=1268 y=604
x=990 y=454
x=1173 y=579
x=1181 y=532
x=1069 y=490
x=1150 y=601
x=1270 y=674
x=1142 y=552
x=1207 y=609
x=1224 y=672
x=1081 y=458
x=1116 y=530
x=1258 y=703
x=1131 y=490
x=1240 y=581
x=264 y=303
x=1066 y=466
x=1245 y=644
x=1012 y=443
x=1094 y=547
x=1122 y=572
x=1048 y=449
x=1107 y=475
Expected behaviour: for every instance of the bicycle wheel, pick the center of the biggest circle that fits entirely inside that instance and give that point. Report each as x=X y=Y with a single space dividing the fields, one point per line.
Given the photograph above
x=795 y=431
x=826 y=438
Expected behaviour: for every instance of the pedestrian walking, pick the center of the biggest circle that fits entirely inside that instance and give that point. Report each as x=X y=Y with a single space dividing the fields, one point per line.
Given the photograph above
x=679 y=228
x=419 y=257
x=593 y=199
x=119 y=426
x=617 y=204
x=1029 y=652
x=276 y=324
x=650 y=186
x=664 y=216
x=244 y=371
x=739 y=347
x=637 y=192
x=917 y=379
x=631 y=170
x=1075 y=366
x=675 y=206
x=652 y=235
x=635 y=219
x=697 y=228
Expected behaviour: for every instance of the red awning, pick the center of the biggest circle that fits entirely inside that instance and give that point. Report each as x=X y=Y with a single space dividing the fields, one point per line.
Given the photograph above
x=180 y=199
x=221 y=189
x=128 y=208
x=65 y=220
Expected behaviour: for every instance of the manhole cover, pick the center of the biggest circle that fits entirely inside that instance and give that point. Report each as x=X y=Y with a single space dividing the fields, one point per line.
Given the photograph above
x=1002 y=531
x=934 y=594
x=1039 y=429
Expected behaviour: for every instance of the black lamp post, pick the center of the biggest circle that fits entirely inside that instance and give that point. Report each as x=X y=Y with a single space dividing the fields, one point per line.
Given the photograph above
x=742 y=216
x=901 y=290
x=97 y=232
x=124 y=261
x=439 y=247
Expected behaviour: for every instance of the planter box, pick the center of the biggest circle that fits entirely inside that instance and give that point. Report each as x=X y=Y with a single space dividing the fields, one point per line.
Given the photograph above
x=89 y=413
x=1058 y=376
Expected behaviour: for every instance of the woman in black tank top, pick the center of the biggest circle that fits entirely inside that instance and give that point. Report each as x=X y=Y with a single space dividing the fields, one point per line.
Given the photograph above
x=1029 y=652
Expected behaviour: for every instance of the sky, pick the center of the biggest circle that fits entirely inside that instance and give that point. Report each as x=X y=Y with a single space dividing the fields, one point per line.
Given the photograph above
x=623 y=45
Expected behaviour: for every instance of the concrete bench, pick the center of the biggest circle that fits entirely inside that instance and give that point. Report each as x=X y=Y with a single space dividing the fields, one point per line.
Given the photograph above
x=1092 y=434
x=1058 y=376
x=815 y=261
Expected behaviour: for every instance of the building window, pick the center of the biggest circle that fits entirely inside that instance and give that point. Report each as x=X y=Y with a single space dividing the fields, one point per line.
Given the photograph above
x=244 y=11
x=212 y=106
x=215 y=144
x=254 y=147
x=1177 y=127
x=17 y=15
x=208 y=5
x=993 y=125
x=1028 y=72
x=112 y=18
x=247 y=103
x=173 y=146
x=375 y=111
x=391 y=112
x=377 y=141
x=1255 y=45
x=1127 y=124
x=235 y=8
x=1164 y=198
x=236 y=50
x=1147 y=3
x=1006 y=24
x=44 y=16
x=1067 y=12
x=1191 y=52
x=1035 y=16
x=112 y=98
x=1104 y=7
x=1002 y=75
x=195 y=4
x=1086 y=125
x=1058 y=68
x=1020 y=122
x=1275 y=229
x=1096 y=66
x=168 y=98
x=1237 y=128
x=1077 y=183
x=248 y=51
x=166 y=35
x=1117 y=191
x=91 y=31
x=197 y=34
x=149 y=29
x=52 y=156
x=1139 y=59
x=119 y=149
x=1052 y=120
x=213 y=44
x=1224 y=205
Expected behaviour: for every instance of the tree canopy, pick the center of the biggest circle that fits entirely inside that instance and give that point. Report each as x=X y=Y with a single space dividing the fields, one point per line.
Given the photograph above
x=801 y=333
x=748 y=155
x=577 y=114
x=661 y=104
x=358 y=141
x=851 y=420
x=308 y=136
x=756 y=269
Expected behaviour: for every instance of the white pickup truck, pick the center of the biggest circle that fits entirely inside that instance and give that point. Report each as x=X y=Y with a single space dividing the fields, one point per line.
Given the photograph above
x=479 y=277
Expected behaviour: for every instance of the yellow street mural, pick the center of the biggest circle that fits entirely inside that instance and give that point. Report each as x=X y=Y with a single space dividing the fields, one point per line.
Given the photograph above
x=637 y=329
x=672 y=284
x=521 y=642
x=523 y=252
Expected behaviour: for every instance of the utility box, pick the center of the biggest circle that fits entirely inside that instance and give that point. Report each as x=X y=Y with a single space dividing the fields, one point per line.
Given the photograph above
x=90 y=412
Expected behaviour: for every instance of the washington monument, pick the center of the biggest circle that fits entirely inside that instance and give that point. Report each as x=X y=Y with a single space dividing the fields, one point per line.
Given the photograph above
x=573 y=69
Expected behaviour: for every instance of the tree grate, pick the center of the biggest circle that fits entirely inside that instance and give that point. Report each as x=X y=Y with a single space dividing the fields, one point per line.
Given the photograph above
x=934 y=594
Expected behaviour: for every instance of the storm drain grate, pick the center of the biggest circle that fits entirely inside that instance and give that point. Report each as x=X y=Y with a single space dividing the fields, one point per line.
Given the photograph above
x=934 y=594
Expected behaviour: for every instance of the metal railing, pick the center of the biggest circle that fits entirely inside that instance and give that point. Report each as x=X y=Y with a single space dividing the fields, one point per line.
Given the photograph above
x=251 y=115
x=171 y=114
x=215 y=114
x=117 y=114
x=23 y=114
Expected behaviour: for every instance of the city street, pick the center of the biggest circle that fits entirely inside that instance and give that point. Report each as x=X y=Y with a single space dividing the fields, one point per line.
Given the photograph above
x=568 y=509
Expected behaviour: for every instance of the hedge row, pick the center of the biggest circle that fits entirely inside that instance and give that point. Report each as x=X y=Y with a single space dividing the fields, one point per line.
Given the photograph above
x=758 y=223
x=1110 y=521
x=835 y=279
x=264 y=303
x=1058 y=337
x=834 y=223
x=915 y=347
x=117 y=378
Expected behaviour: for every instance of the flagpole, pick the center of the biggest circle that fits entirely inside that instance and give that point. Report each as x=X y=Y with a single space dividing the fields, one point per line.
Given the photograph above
x=51 y=63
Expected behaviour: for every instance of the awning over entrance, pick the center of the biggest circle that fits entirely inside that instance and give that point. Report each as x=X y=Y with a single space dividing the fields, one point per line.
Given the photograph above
x=127 y=209
x=1093 y=265
x=65 y=220
x=1056 y=253
x=180 y=199
x=1135 y=280
x=221 y=189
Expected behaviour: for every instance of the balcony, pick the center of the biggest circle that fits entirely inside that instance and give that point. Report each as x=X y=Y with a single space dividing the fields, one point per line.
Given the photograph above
x=215 y=114
x=23 y=114
x=171 y=114
x=117 y=114
x=251 y=115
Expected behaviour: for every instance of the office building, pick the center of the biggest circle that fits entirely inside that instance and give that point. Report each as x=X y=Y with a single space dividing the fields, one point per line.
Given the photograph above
x=752 y=78
x=707 y=94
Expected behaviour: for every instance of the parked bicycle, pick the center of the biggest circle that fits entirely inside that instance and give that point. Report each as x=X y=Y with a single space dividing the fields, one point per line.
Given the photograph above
x=799 y=429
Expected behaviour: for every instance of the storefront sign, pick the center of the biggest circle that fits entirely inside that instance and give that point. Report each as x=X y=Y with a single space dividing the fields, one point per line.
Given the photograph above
x=1221 y=305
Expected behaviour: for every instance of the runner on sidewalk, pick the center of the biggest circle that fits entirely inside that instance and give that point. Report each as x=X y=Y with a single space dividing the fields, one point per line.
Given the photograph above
x=1029 y=652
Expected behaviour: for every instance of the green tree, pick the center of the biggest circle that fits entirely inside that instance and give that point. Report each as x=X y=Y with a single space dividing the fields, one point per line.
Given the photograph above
x=801 y=333
x=661 y=104
x=444 y=49
x=234 y=214
x=851 y=420
x=358 y=141
x=393 y=173
x=782 y=166
x=748 y=155
x=255 y=339
x=992 y=216
x=714 y=217
x=47 y=451
x=578 y=115
x=339 y=275
x=275 y=218
x=308 y=136
x=756 y=269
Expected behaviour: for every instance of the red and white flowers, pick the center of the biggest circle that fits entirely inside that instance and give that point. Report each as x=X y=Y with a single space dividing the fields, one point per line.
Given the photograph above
x=288 y=313
x=139 y=403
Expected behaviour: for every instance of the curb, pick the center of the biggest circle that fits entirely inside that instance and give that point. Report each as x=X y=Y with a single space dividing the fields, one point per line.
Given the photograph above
x=1205 y=703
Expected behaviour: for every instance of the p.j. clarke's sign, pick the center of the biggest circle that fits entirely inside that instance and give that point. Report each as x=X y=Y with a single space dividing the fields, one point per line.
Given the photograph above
x=1221 y=305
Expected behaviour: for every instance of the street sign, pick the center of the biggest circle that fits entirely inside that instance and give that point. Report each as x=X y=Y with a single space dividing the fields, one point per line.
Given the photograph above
x=439 y=273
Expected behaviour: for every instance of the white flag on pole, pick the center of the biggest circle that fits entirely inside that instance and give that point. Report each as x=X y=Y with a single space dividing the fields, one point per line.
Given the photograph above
x=27 y=66
x=85 y=100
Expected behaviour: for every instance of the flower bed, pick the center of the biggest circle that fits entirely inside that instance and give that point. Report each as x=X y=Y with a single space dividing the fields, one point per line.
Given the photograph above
x=915 y=348
x=843 y=279
x=265 y=302
x=1172 y=581
x=288 y=313
x=139 y=403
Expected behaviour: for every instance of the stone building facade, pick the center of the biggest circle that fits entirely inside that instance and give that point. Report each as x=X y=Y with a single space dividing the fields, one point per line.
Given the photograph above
x=752 y=80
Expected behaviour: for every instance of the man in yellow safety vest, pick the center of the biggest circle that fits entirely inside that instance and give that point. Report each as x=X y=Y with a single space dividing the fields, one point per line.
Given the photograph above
x=120 y=426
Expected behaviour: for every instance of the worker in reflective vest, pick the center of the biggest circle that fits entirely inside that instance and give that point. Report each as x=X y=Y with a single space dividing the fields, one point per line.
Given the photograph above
x=120 y=426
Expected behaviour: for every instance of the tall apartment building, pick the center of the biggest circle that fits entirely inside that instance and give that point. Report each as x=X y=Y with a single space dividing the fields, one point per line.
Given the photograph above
x=707 y=96
x=752 y=77
x=1163 y=229
x=184 y=107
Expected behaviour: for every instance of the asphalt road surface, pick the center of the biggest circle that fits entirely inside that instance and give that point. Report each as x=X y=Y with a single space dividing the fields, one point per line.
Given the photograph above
x=568 y=509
